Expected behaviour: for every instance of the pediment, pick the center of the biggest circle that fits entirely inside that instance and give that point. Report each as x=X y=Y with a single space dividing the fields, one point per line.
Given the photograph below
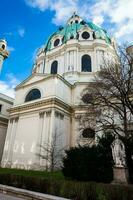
x=85 y=28
x=31 y=79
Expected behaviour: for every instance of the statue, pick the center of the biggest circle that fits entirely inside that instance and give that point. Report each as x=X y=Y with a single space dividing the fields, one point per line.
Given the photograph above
x=118 y=152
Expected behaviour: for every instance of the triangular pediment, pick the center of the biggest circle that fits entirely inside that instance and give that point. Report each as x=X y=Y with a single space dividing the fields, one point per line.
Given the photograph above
x=34 y=78
x=31 y=79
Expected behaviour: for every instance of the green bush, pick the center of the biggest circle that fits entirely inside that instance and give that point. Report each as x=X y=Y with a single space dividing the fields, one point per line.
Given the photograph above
x=128 y=141
x=69 y=189
x=85 y=163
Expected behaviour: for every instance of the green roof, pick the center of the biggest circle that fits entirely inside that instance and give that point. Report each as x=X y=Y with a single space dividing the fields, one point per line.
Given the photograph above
x=71 y=30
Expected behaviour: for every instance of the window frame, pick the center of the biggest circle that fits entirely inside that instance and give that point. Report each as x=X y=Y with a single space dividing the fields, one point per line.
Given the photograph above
x=54 y=71
x=32 y=99
x=83 y=67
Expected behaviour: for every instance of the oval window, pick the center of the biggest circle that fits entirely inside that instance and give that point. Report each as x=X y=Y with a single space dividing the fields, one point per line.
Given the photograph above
x=3 y=46
x=88 y=133
x=87 y=98
x=85 y=35
x=56 y=42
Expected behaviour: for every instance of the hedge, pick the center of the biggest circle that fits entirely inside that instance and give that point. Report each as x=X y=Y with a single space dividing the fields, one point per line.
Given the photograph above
x=70 y=189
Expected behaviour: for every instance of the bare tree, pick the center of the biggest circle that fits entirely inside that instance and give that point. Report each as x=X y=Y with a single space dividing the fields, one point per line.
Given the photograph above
x=52 y=153
x=109 y=98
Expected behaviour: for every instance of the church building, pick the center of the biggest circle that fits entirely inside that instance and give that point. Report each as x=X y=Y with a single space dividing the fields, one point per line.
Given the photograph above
x=49 y=100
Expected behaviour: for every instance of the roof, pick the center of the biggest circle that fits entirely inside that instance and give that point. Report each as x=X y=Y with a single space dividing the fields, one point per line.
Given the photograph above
x=6 y=98
x=72 y=29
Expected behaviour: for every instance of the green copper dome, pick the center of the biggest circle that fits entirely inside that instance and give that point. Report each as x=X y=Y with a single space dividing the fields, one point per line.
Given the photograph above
x=70 y=31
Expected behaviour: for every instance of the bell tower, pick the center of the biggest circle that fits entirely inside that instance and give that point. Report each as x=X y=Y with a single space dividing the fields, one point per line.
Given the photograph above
x=3 y=52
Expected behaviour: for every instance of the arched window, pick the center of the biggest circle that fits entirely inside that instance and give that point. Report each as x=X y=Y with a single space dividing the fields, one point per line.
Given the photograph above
x=88 y=133
x=86 y=63
x=33 y=95
x=54 y=67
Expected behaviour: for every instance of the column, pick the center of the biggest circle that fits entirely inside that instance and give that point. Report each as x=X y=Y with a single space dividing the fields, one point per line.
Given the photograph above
x=52 y=125
x=75 y=60
x=77 y=63
x=72 y=60
x=39 y=142
x=13 y=138
x=67 y=63
x=11 y=142
x=49 y=128
x=1 y=62
x=7 y=143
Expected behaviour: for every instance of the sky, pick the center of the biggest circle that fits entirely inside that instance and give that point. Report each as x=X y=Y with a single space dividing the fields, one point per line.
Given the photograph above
x=27 y=24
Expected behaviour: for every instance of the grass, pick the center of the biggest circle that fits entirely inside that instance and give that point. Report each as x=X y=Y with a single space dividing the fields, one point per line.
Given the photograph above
x=56 y=175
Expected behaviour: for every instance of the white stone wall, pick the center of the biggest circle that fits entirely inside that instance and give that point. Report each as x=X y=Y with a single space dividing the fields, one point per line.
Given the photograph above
x=26 y=133
x=49 y=88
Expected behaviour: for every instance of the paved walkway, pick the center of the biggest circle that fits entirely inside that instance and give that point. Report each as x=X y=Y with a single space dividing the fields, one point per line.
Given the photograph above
x=7 y=197
x=5 y=190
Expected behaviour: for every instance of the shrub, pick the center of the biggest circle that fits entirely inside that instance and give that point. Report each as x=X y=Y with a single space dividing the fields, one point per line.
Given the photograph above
x=129 y=155
x=85 y=163
x=69 y=189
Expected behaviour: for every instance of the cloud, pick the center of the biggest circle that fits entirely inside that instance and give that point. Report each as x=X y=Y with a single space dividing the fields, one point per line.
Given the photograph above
x=21 y=32
x=116 y=13
x=10 y=49
x=41 y=4
x=7 y=87
x=126 y=28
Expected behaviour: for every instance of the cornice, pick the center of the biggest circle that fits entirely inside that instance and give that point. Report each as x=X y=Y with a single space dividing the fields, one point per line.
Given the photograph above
x=52 y=102
x=6 y=101
x=80 y=45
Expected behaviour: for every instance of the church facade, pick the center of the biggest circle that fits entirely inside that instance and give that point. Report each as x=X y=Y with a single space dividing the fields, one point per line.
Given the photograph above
x=49 y=100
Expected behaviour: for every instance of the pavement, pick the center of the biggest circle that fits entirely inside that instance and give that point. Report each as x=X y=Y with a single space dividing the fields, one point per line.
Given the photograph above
x=8 y=197
x=12 y=193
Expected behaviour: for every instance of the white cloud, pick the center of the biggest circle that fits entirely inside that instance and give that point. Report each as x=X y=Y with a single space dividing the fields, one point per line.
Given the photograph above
x=126 y=28
x=10 y=49
x=122 y=10
x=21 y=32
x=117 y=13
x=7 y=87
x=63 y=10
x=41 y=4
